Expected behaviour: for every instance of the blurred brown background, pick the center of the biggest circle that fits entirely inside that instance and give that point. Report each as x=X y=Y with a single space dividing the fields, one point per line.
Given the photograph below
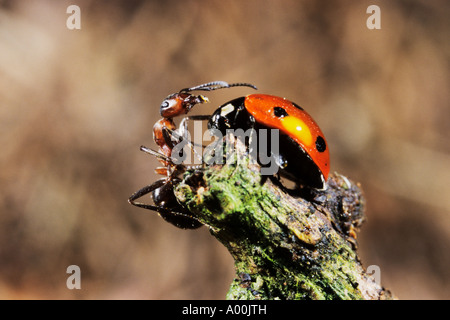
x=75 y=105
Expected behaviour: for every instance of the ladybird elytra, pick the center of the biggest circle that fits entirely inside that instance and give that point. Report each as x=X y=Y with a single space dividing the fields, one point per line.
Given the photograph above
x=280 y=113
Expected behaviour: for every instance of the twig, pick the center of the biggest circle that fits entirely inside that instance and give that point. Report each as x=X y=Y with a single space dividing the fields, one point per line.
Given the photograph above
x=284 y=247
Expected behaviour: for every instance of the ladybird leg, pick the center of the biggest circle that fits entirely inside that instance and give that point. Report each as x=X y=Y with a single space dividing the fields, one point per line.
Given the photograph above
x=251 y=150
x=252 y=136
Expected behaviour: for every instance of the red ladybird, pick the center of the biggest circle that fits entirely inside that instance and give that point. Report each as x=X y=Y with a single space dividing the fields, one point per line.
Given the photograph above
x=303 y=152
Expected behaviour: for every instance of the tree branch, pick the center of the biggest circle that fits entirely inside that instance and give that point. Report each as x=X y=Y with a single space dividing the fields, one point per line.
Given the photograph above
x=284 y=247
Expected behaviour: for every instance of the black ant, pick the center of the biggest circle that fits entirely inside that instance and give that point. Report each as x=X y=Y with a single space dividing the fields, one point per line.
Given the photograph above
x=166 y=136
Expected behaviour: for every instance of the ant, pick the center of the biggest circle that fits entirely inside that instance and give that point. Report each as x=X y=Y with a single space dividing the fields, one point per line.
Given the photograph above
x=167 y=136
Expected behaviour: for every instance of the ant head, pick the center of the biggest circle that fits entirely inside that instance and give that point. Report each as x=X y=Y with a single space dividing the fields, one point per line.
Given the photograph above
x=179 y=103
x=183 y=101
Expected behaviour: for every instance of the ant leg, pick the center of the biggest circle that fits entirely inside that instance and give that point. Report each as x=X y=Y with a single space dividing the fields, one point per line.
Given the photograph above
x=184 y=131
x=157 y=154
x=167 y=135
x=173 y=168
x=146 y=190
x=202 y=117
x=167 y=171
x=182 y=134
x=179 y=219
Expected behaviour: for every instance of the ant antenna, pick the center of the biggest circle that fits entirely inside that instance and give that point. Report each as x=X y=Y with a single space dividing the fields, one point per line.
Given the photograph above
x=215 y=85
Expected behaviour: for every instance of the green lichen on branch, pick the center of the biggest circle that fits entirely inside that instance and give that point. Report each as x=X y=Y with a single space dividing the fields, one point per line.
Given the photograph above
x=284 y=247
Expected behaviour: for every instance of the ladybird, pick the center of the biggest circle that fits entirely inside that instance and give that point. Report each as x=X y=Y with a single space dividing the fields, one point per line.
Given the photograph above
x=303 y=151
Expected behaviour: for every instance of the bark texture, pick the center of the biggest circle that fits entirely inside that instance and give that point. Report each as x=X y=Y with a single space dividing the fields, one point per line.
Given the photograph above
x=284 y=246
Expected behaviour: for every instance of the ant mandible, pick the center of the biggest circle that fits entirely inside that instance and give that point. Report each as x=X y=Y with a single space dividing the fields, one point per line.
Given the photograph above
x=166 y=136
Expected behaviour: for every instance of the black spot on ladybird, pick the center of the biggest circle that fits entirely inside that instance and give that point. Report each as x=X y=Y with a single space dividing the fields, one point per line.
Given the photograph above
x=320 y=144
x=297 y=106
x=279 y=112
